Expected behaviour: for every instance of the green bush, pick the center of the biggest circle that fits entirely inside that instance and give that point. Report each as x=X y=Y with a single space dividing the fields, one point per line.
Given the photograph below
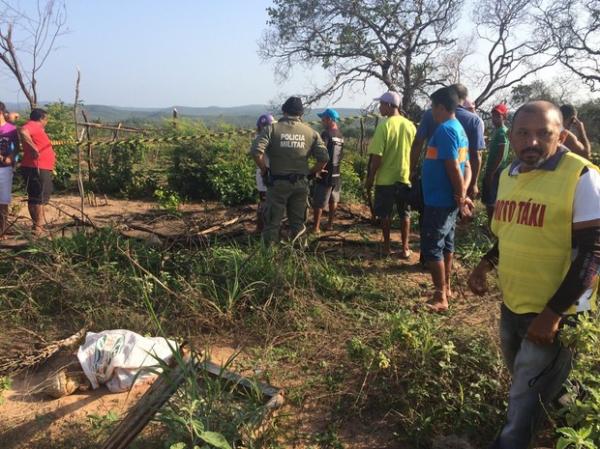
x=213 y=171
x=120 y=170
x=581 y=415
x=233 y=180
x=352 y=187
x=60 y=127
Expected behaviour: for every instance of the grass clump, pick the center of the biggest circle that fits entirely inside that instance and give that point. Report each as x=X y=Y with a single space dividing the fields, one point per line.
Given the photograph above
x=434 y=379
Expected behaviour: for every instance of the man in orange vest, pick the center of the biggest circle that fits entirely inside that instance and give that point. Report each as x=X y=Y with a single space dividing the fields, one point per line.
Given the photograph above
x=547 y=220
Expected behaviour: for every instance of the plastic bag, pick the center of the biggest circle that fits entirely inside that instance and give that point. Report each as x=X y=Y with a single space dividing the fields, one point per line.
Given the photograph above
x=119 y=358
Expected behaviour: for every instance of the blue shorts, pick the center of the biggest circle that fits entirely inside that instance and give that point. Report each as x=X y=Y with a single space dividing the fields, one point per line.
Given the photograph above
x=437 y=232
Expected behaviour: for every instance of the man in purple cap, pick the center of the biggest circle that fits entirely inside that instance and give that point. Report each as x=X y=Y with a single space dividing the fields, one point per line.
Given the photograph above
x=328 y=182
x=263 y=121
x=389 y=169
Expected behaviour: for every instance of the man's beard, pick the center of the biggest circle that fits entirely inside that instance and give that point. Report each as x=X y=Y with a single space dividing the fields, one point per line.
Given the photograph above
x=539 y=162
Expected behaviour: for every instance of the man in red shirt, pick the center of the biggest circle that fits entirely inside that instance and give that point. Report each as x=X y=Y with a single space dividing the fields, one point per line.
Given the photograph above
x=37 y=165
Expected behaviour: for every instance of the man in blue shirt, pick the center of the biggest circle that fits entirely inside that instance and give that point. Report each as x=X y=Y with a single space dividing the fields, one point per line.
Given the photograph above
x=474 y=129
x=445 y=175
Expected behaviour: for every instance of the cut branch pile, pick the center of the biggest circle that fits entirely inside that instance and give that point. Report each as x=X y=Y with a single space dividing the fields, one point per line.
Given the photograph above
x=15 y=364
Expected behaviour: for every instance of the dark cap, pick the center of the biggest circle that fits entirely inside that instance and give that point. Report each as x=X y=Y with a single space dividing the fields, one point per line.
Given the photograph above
x=293 y=106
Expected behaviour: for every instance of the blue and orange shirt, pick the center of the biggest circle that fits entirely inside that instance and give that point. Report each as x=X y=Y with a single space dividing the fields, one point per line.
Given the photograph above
x=449 y=142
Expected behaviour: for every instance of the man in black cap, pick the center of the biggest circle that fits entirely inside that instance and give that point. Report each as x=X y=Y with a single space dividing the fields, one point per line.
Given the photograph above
x=288 y=144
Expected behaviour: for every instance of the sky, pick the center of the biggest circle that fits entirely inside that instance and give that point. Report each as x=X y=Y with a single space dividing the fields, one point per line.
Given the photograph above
x=148 y=53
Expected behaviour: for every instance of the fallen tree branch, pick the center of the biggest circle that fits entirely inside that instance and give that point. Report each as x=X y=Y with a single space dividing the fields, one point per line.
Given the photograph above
x=14 y=365
x=220 y=226
x=74 y=217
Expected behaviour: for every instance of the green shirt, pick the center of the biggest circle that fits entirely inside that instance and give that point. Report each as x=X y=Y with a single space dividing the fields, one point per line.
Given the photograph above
x=392 y=141
x=288 y=143
x=499 y=137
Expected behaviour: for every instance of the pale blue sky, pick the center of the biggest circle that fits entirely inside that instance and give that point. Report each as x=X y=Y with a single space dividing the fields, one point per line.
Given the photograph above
x=148 y=53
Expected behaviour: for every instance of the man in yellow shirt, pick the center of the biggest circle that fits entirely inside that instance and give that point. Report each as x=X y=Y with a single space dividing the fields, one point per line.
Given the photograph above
x=547 y=220
x=389 y=168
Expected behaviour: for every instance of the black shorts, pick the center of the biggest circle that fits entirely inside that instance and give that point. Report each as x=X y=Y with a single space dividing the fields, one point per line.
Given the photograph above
x=38 y=183
x=388 y=196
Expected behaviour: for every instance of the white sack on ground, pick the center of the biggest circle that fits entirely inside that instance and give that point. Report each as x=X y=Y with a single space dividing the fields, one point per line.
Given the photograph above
x=118 y=358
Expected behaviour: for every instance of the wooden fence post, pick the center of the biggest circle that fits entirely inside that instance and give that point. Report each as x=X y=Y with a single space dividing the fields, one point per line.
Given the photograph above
x=78 y=146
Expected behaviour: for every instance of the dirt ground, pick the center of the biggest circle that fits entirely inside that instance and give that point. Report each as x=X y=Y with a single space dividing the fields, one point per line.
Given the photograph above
x=30 y=420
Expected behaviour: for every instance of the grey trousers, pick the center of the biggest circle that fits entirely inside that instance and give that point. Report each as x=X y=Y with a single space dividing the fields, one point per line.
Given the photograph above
x=538 y=373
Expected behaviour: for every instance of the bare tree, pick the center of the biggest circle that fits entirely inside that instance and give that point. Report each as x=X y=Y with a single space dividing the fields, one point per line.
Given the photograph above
x=514 y=54
x=397 y=42
x=27 y=40
x=573 y=27
x=452 y=62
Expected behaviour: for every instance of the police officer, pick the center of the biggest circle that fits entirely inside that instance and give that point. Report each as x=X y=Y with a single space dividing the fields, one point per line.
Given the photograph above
x=288 y=144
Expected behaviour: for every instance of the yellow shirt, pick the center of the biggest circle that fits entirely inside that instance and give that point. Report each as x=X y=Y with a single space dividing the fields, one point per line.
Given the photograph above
x=392 y=141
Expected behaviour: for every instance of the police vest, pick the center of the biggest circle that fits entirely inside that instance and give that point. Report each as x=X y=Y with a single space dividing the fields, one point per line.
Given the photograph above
x=335 y=147
x=533 y=222
x=291 y=144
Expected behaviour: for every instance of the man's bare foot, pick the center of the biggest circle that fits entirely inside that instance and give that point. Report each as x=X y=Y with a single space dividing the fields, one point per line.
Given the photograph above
x=315 y=231
x=328 y=227
x=405 y=254
x=39 y=232
x=438 y=303
x=449 y=292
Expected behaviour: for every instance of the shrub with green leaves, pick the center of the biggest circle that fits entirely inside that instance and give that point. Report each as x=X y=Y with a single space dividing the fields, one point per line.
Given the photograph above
x=60 y=127
x=120 y=170
x=581 y=415
x=215 y=170
x=352 y=188
x=233 y=181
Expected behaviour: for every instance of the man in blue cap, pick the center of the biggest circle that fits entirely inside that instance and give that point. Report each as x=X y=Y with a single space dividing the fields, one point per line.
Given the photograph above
x=328 y=182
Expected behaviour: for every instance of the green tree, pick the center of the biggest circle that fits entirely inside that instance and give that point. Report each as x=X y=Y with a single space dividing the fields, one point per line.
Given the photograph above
x=60 y=127
x=536 y=90
x=394 y=41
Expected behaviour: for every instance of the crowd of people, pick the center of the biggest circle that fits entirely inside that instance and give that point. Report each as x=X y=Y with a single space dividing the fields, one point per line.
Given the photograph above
x=37 y=163
x=543 y=208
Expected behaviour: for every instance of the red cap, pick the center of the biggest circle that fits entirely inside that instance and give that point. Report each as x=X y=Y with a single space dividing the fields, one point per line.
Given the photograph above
x=501 y=109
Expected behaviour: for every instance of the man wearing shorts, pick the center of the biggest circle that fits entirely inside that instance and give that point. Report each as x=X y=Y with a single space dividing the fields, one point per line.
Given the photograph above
x=9 y=144
x=389 y=169
x=497 y=158
x=263 y=121
x=37 y=165
x=328 y=182
x=446 y=177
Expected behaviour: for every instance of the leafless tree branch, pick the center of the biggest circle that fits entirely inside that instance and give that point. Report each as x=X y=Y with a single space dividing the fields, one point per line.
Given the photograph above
x=37 y=39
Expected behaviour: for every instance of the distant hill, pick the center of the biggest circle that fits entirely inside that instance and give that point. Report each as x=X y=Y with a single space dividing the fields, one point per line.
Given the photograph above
x=244 y=116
